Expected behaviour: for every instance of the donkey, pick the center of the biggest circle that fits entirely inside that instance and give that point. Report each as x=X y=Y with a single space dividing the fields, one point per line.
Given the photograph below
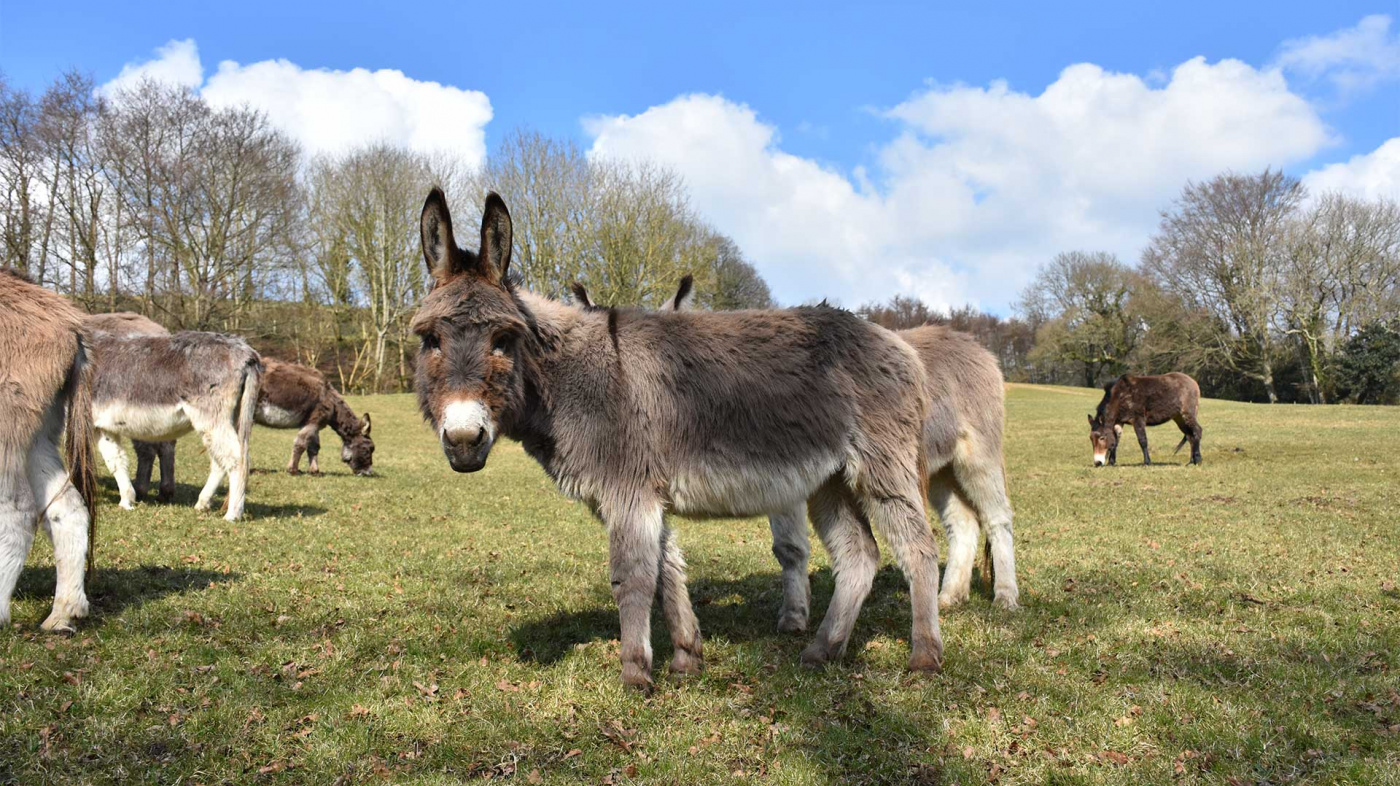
x=128 y=323
x=295 y=396
x=45 y=382
x=966 y=476
x=727 y=414
x=1145 y=401
x=159 y=388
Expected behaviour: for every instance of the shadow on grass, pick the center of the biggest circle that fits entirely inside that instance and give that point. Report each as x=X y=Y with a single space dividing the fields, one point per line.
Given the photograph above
x=186 y=495
x=112 y=590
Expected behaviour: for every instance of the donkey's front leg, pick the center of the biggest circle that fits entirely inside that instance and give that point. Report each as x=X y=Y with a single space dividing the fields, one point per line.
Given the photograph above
x=792 y=546
x=634 y=554
x=675 y=605
x=1140 y=426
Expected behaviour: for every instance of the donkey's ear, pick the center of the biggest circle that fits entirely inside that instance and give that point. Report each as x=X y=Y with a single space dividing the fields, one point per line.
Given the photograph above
x=495 y=238
x=1091 y=420
x=581 y=295
x=685 y=295
x=365 y=430
x=435 y=228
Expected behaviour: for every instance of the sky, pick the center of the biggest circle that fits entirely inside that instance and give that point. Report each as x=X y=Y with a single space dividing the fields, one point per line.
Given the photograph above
x=854 y=151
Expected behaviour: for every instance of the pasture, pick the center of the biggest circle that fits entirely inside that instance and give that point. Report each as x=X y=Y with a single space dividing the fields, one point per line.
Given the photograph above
x=1234 y=622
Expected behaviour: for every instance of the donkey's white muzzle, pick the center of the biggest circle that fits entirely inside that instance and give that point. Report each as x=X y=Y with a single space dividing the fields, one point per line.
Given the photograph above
x=466 y=433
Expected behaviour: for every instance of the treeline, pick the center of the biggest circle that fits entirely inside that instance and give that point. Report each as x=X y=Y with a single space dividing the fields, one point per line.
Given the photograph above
x=205 y=218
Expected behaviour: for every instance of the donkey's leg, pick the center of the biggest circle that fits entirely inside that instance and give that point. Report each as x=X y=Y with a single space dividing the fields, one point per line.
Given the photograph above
x=313 y=452
x=66 y=521
x=960 y=524
x=675 y=606
x=166 y=450
x=110 y=446
x=1192 y=429
x=792 y=546
x=983 y=484
x=898 y=513
x=211 y=486
x=299 y=447
x=854 y=560
x=16 y=525
x=226 y=449
x=1140 y=426
x=634 y=554
x=145 y=463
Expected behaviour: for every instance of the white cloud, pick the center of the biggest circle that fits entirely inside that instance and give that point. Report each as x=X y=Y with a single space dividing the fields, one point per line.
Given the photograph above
x=1374 y=175
x=1353 y=58
x=331 y=111
x=980 y=185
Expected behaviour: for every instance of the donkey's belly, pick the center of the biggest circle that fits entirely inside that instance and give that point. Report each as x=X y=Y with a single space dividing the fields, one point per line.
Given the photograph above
x=149 y=423
x=273 y=416
x=701 y=491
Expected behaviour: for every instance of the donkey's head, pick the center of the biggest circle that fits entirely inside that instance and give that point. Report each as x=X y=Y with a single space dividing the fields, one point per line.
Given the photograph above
x=471 y=373
x=1103 y=439
x=358 y=451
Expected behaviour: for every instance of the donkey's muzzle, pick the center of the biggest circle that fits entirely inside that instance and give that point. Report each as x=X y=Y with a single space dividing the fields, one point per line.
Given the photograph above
x=467 y=435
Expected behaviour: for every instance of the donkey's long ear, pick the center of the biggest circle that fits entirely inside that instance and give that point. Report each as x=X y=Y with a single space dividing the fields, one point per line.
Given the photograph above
x=1091 y=421
x=495 y=238
x=685 y=295
x=581 y=295
x=435 y=228
x=365 y=430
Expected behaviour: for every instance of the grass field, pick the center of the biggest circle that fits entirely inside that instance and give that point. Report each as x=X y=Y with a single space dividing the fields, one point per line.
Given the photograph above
x=1236 y=622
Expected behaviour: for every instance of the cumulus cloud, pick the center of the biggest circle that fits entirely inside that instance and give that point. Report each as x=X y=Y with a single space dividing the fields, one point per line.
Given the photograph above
x=330 y=111
x=1374 y=175
x=980 y=184
x=1353 y=59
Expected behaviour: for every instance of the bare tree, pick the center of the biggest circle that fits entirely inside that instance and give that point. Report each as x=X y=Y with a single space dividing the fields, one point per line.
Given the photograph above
x=1083 y=304
x=21 y=167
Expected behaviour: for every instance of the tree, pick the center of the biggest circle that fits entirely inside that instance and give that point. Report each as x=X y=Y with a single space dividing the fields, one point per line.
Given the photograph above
x=737 y=285
x=1368 y=367
x=21 y=164
x=1083 y=304
x=1221 y=249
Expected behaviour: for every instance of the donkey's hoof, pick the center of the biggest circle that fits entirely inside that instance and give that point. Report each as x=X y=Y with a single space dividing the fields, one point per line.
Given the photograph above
x=949 y=599
x=633 y=676
x=201 y=505
x=59 y=623
x=792 y=621
x=1006 y=600
x=127 y=504
x=687 y=663
x=816 y=656
x=928 y=657
x=293 y=471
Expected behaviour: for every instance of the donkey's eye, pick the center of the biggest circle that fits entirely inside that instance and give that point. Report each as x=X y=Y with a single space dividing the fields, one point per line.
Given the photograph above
x=430 y=342
x=503 y=344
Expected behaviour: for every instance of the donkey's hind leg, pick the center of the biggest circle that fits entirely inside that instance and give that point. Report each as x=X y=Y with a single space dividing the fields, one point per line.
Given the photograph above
x=16 y=524
x=66 y=521
x=300 y=445
x=983 y=485
x=211 y=486
x=854 y=559
x=898 y=514
x=110 y=446
x=792 y=546
x=960 y=525
x=634 y=554
x=675 y=606
x=226 y=458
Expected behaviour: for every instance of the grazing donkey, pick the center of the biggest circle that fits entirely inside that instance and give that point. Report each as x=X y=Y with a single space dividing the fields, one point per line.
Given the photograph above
x=1145 y=401
x=45 y=382
x=127 y=323
x=966 y=475
x=295 y=396
x=728 y=414
x=159 y=388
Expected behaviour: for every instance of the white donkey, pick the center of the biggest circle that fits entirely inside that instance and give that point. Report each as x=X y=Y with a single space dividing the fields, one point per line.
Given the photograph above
x=159 y=388
x=45 y=380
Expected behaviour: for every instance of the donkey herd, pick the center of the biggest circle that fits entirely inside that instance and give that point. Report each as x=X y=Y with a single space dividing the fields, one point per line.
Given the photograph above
x=809 y=413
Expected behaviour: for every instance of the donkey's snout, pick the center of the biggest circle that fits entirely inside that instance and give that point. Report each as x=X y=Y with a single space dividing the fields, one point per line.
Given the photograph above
x=467 y=435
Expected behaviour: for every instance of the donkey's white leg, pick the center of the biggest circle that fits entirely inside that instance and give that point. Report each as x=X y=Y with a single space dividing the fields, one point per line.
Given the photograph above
x=960 y=524
x=634 y=554
x=675 y=606
x=67 y=524
x=110 y=446
x=792 y=547
x=854 y=560
x=900 y=518
x=211 y=486
x=16 y=527
x=984 y=486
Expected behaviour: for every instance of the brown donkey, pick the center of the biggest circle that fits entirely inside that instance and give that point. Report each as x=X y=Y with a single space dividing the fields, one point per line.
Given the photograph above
x=45 y=382
x=295 y=396
x=728 y=414
x=966 y=475
x=1145 y=401
x=128 y=323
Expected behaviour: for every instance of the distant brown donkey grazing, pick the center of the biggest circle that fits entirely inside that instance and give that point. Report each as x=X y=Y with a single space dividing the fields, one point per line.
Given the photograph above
x=45 y=383
x=295 y=396
x=966 y=478
x=727 y=414
x=127 y=323
x=1145 y=401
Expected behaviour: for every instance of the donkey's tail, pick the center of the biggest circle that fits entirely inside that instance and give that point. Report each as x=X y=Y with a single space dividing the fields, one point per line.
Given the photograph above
x=77 y=443
x=247 y=407
x=1183 y=441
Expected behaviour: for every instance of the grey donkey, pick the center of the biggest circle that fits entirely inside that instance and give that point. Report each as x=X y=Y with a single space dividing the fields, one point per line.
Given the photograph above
x=966 y=473
x=723 y=414
x=159 y=388
x=129 y=323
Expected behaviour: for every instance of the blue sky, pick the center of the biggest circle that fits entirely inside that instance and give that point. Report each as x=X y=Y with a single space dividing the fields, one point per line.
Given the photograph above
x=831 y=140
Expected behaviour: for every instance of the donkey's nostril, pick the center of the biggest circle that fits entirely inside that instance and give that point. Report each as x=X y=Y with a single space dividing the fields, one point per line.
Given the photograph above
x=480 y=435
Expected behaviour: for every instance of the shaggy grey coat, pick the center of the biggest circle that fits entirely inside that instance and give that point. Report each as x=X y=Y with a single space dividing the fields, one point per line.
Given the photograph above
x=128 y=323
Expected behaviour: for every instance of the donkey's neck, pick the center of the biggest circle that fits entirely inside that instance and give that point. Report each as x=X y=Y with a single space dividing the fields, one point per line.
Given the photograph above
x=554 y=347
x=343 y=420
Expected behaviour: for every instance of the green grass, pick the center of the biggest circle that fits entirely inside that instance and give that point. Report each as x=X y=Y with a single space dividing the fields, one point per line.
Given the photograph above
x=1237 y=620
